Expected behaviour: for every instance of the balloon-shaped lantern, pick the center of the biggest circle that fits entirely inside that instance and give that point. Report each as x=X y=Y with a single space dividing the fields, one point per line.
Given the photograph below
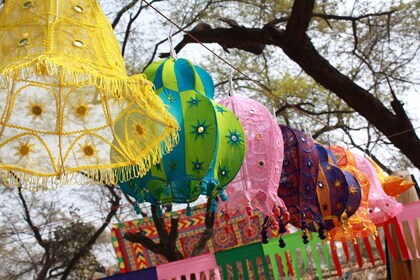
x=381 y=206
x=211 y=140
x=338 y=196
x=255 y=185
x=298 y=182
x=360 y=223
x=63 y=86
x=392 y=185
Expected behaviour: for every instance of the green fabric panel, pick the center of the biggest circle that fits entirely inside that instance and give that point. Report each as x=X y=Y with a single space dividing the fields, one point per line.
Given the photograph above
x=294 y=241
x=304 y=258
x=225 y=272
x=196 y=117
x=231 y=144
x=151 y=70
x=243 y=253
x=316 y=260
x=274 y=266
x=295 y=263
x=326 y=252
x=245 y=269
x=168 y=75
x=198 y=82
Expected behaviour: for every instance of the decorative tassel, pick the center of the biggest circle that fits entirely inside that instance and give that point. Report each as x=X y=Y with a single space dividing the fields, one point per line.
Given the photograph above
x=158 y=211
x=276 y=211
x=226 y=217
x=249 y=210
x=189 y=211
x=321 y=230
x=282 y=230
x=203 y=188
x=139 y=197
x=305 y=237
x=223 y=196
x=136 y=208
x=304 y=230
x=264 y=231
x=249 y=231
x=213 y=206
x=282 y=244
x=286 y=217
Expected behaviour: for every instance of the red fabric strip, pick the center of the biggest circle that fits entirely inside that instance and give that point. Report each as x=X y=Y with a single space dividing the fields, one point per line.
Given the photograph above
x=358 y=254
x=335 y=258
x=369 y=250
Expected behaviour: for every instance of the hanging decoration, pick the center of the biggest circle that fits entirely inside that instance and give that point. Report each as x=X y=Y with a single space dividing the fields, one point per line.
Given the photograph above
x=392 y=185
x=338 y=195
x=359 y=223
x=211 y=143
x=63 y=86
x=298 y=183
x=255 y=185
x=381 y=206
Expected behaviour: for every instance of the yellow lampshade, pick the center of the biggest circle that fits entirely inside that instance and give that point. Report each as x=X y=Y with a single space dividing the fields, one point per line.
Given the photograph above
x=63 y=86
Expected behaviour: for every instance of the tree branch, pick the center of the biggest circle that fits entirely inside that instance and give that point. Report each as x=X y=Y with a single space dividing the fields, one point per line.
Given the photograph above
x=208 y=231
x=115 y=204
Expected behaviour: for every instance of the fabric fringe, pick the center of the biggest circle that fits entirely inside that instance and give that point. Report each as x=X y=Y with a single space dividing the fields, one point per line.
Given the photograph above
x=111 y=175
x=118 y=85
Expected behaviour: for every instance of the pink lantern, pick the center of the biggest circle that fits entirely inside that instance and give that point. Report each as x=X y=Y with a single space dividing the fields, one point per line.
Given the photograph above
x=381 y=206
x=255 y=185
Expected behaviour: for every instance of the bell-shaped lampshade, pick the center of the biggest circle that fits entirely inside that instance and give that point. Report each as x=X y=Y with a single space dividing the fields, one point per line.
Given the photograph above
x=337 y=198
x=255 y=185
x=211 y=140
x=63 y=86
x=298 y=183
x=382 y=207
x=359 y=224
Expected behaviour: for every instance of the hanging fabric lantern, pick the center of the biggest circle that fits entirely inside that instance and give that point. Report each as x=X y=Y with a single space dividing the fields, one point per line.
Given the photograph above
x=381 y=206
x=211 y=143
x=392 y=185
x=338 y=200
x=298 y=182
x=255 y=185
x=359 y=223
x=63 y=87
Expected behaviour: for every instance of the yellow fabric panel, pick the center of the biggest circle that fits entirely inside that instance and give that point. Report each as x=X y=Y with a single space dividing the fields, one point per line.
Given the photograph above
x=63 y=87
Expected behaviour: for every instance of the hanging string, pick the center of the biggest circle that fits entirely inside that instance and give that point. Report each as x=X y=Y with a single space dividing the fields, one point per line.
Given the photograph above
x=171 y=46
x=230 y=83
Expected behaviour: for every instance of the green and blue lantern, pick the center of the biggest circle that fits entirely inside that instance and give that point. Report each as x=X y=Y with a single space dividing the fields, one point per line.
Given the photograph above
x=211 y=144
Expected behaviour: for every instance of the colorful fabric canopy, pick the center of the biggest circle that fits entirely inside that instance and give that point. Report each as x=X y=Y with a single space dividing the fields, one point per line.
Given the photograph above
x=359 y=223
x=381 y=206
x=63 y=86
x=298 y=181
x=211 y=143
x=338 y=195
x=255 y=185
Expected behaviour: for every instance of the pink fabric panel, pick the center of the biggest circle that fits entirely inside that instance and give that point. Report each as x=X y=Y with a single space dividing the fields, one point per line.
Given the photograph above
x=382 y=207
x=186 y=267
x=257 y=181
x=410 y=213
